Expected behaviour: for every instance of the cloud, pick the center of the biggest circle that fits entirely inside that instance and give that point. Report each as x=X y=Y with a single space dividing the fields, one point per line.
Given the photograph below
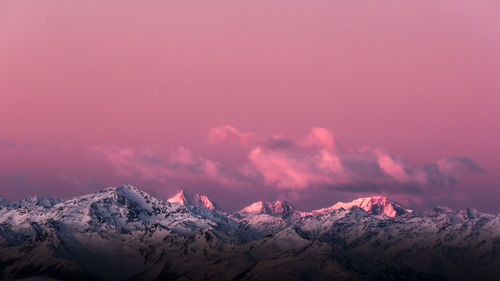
x=320 y=137
x=455 y=165
x=447 y=171
x=160 y=164
x=287 y=168
x=7 y=143
x=315 y=160
x=400 y=170
x=279 y=164
x=228 y=134
x=231 y=134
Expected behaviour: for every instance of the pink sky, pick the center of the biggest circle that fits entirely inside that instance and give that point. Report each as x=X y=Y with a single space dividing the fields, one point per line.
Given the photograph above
x=396 y=84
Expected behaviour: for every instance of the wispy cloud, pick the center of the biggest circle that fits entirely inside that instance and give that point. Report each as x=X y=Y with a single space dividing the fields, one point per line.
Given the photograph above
x=163 y=164
x=7 y=143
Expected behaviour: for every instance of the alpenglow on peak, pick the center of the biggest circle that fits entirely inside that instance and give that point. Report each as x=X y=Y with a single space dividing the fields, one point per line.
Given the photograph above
x=374 y=205
x=193 y=199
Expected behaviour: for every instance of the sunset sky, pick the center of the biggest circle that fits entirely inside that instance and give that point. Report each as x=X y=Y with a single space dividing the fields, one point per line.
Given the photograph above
x=308 y=101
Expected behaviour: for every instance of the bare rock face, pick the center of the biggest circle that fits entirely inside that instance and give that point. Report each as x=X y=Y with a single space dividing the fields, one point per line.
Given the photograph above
x=123 y=233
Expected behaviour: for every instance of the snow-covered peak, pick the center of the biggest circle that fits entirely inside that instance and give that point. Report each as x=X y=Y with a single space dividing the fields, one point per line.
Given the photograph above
x=276 y=208
x=3 y=201
x=124 y=189
x=47 y=202
x=374 y=205
x=124 y=194
x=194 y=200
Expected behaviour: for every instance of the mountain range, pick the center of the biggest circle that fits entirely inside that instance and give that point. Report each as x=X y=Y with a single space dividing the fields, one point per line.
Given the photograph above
x=123 y=233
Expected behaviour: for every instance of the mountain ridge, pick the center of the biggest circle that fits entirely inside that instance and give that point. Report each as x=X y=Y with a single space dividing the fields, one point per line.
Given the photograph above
x=123 y=233
x=374 y=205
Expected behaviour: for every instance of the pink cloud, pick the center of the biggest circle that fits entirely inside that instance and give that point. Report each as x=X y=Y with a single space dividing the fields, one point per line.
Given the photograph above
x=282 y=165
x=231 y=134
x=457 y=165
x=393 y=168
x=320 y=137
x=167 y=166
x=295 y=168
x=159 y=164
x=399 y=170
x=316 y=161
x=329 y=162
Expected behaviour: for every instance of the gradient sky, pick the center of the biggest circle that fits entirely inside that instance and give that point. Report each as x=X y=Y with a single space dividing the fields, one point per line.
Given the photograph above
x=350 y=98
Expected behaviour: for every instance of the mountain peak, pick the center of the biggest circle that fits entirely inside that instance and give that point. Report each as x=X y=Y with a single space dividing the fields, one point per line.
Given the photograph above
x=276 y=208
x=126 y=193
x=3 y=201
x=193 y=199
x=374 y=205
x=122 y=189
x=36 y=200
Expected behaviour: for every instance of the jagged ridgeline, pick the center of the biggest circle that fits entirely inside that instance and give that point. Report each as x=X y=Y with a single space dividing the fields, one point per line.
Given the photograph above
x=123 y=233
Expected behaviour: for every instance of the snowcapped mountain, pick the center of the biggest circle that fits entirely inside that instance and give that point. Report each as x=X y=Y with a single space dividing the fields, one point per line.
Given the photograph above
x=267 y=217
x=3 y=201
x=115 y=222
x=123 y=233
x=375 y=205
x=193 y=200
x=36 y=200
x=270 y=217
x=276 y=208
